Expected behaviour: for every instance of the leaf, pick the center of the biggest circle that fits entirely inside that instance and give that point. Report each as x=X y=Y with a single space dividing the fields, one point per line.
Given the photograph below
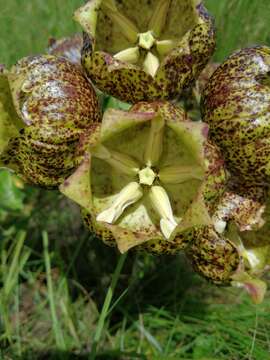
x=111 y=102
x=8 y=116
x=11 y=197
x=7 y=128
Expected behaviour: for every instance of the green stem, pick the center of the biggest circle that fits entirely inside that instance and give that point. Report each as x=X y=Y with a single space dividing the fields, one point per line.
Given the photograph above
x=106 y=305
x=56 y=326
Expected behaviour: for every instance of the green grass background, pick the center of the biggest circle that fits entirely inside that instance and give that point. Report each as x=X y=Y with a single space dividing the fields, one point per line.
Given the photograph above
x=26 y=25
x=51 y=294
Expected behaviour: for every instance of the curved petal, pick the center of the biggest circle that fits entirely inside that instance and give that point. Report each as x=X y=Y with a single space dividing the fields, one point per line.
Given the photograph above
x=185 y=62
x=126 y=81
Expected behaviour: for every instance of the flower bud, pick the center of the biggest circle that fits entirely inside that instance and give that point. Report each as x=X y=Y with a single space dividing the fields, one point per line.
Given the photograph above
x=47 y=104
x=235 y=104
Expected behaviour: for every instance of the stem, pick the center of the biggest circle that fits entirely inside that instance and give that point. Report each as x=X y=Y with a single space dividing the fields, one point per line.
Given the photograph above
x=106 y=305
x=56 y=327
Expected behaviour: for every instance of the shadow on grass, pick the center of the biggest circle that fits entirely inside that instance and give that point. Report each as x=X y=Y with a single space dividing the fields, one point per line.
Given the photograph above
x=58 y=355
x=165 y=281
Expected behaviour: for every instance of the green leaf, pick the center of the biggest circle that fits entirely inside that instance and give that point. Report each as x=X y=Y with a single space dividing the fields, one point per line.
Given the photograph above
x=11 y=197
x=111 y=102
x=203 y=348
x=8 y=116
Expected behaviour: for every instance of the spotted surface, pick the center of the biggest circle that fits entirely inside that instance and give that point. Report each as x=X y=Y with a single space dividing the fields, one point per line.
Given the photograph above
x=100 y=231
x=213 y=189
x=244 y=205
x=177 y=70
x=178 y=22
x=258 y=240
x=213 y=186
x=56 y=104
x=81 y=184
x=69 y=47
x=168 y=111
x=213 y=256
x=235 y=104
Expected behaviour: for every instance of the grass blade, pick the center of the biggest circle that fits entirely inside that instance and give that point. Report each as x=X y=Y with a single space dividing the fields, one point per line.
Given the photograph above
x=106 y=305
x=56 y=326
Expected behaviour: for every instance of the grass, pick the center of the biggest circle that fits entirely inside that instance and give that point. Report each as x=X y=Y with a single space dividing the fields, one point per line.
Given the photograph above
x=54 y=275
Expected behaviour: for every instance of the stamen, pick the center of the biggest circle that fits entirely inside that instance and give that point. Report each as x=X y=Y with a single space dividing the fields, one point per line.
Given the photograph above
x=154 y=146
x=159 y=16
x=161 y=203
x=151 y=64
x=130 y=55
x=122 y=162
x=165 y=46
x=146 y=40
x=127 y=27
x=180 y=174
x=147 y=176
x=127 y=196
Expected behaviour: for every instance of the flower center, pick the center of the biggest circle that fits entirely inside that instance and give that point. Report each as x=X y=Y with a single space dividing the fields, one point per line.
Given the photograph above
x=146 y=40
x=142 y=183
x=147 y=176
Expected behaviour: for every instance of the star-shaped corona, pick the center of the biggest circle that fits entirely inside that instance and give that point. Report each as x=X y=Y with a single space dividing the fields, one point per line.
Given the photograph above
x=145 y=50
x=148 y=179
x=146 y=176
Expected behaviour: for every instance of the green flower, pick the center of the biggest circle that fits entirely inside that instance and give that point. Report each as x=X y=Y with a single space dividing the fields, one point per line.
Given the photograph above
x=235 y=104
x=145 y=50
x=46 y=103
x=240 y=220
x=148 y=178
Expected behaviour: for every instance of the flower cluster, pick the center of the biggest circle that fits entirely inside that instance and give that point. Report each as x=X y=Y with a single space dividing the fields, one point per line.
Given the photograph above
x=150 y=178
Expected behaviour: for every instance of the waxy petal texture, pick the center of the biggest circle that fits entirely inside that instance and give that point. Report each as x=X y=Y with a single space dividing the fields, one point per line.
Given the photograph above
x=52 y=104
x=110 y=29
x=235 y=104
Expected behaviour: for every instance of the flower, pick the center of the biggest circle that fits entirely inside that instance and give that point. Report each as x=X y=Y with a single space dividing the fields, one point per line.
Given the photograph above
x=148 y=178
x=235 y=249
x=45 y=105
x=145 y=50
x=235 y=104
